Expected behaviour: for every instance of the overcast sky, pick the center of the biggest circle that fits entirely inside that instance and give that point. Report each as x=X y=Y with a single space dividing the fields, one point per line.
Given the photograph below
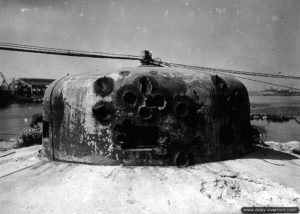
x=250 y=35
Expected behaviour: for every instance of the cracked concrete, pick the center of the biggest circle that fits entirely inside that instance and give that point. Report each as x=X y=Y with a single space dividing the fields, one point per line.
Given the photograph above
x=32 y=185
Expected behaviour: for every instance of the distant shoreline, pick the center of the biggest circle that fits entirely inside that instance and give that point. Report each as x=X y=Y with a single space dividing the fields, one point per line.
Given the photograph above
x=274 y=95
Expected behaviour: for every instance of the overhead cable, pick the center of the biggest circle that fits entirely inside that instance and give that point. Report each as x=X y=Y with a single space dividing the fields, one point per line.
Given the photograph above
x=235 y=71
x=65 y=52
x=217 y=71
x=55 y=51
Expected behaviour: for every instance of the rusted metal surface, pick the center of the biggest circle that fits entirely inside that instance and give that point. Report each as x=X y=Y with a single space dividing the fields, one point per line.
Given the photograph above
x=146 y=116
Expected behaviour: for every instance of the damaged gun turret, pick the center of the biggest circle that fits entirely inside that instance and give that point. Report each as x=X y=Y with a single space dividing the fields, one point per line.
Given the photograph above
x=146 y=115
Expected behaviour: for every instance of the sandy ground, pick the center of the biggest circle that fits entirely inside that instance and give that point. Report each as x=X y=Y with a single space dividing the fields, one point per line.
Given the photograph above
x=267 y=177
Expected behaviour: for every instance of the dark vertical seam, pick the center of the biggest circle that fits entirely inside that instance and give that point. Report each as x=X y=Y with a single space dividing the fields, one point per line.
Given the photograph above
x=51 y=116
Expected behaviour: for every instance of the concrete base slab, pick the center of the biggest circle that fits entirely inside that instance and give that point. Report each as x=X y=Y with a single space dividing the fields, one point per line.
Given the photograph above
x=267 y=177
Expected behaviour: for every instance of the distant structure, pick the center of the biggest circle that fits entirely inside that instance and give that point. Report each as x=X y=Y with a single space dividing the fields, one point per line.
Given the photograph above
x=274 y=92
x=5 y=93
x=29 y=88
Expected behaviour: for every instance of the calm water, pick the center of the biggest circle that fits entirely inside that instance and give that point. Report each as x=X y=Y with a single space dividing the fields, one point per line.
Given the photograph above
x=287 y=105
x=16 y=117
x=281 y=132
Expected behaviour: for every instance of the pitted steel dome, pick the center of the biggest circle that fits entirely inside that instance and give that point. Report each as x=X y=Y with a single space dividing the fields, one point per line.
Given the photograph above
x=146 y=115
